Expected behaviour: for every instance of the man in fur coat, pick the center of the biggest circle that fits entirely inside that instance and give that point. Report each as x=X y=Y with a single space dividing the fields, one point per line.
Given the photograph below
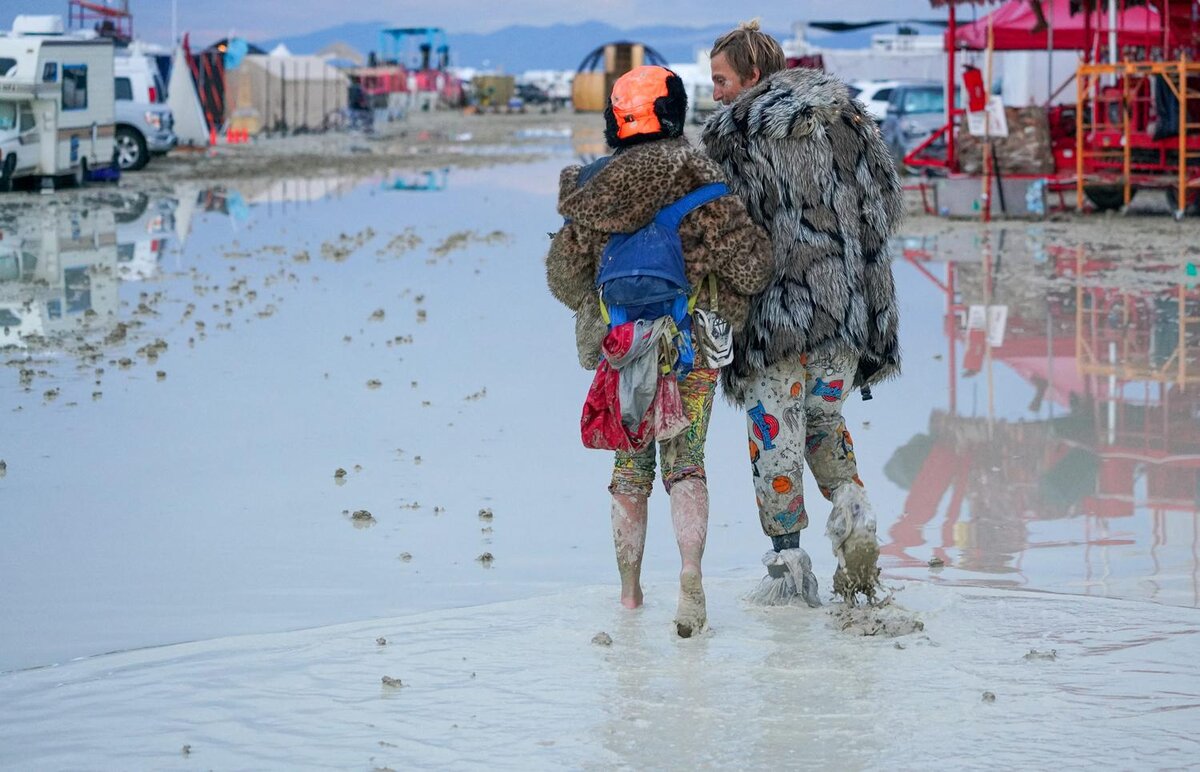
x=813 y=170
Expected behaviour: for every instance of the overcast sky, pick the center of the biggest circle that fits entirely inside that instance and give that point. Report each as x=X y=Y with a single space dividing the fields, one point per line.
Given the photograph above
x=208 y=20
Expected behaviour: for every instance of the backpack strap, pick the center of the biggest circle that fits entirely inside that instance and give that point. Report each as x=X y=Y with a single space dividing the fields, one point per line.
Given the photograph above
x=711 y=280
x=671 y=215
x=591 y=170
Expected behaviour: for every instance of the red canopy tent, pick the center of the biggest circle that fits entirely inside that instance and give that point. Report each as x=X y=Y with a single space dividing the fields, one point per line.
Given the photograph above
x=1012 y=26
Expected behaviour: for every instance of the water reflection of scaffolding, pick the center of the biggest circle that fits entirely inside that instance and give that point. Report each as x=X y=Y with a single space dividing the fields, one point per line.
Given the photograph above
x=1112 y=356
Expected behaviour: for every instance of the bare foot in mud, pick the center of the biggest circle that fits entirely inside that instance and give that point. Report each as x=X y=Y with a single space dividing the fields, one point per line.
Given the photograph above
x=631 y=597
x=692 y=615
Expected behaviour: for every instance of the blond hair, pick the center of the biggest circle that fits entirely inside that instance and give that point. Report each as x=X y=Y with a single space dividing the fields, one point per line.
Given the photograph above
x=748 y=47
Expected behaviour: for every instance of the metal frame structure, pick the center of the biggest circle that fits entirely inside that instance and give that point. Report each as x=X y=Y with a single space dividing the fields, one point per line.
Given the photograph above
x=1112 y=144
x=82 y=13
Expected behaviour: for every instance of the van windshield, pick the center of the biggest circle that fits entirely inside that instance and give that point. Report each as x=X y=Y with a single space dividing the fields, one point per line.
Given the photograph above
x=8 y=115
x=7 y=65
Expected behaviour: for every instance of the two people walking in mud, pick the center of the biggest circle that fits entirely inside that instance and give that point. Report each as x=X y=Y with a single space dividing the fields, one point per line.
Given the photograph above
x=781 y=223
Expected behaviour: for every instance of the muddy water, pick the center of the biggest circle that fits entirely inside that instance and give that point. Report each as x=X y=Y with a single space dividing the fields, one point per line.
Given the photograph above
x=186 y=370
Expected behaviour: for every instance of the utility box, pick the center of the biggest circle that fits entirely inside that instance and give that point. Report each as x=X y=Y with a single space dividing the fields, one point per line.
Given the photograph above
x=1024 y=198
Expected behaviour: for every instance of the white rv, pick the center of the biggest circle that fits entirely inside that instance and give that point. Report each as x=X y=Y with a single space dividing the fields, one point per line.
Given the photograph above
x=56 y=101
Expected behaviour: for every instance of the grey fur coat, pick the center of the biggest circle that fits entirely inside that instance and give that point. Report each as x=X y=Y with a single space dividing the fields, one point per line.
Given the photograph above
x=813 y=170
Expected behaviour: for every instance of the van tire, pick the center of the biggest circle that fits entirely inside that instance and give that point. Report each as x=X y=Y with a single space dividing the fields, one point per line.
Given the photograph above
x=131 y=149
x=6 y=174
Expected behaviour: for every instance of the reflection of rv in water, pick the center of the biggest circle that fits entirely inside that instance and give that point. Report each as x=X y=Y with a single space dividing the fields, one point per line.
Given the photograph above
x=56 y=102
x=54 y=268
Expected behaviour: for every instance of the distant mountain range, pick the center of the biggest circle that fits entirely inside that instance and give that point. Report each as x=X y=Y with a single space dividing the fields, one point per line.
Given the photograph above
x=519 y=48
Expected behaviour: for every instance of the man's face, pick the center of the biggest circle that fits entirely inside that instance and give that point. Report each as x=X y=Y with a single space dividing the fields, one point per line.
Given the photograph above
x=726 y=83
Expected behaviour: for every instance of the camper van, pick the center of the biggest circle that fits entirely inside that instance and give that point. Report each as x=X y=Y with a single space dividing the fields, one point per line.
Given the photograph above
x=56 y=102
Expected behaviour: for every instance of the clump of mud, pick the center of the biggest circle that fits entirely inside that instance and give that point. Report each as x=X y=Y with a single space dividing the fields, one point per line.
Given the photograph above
x=486 y=559
x=461 y=239
x=486 y=514
x=884 y=619
x=1050 y=655
x=404 y=242
x=393 y=683
x=602 y=639
x=345 y=245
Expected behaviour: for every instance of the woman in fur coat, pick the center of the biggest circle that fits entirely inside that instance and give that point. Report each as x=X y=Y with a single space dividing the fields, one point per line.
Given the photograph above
x=654 y=166
x=813 y=170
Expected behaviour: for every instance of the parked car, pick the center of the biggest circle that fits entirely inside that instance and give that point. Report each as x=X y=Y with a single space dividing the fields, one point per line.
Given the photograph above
x=702 y=103
x=532 y=94
x=145 y=126
x=875 y=95
x=915 y=111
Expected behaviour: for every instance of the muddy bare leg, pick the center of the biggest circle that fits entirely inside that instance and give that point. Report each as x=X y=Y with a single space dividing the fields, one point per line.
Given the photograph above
x=689 y=515
x=629 y=538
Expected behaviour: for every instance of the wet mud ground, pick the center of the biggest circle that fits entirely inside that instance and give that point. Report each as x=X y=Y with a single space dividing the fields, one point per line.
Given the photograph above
x=299 y=385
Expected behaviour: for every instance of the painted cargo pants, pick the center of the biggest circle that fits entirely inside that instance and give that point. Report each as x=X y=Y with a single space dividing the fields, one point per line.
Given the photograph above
x=683 y=454
x=794 y=416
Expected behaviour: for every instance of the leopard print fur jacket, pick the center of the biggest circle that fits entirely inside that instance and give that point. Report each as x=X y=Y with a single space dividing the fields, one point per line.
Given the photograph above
x=625 y=195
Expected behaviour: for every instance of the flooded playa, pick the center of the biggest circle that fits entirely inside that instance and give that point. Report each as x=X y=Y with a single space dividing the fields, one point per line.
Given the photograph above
x=254 y=426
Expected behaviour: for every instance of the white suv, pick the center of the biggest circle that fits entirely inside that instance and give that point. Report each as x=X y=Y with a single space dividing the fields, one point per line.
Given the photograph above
x=145 y=125
x=874 y=94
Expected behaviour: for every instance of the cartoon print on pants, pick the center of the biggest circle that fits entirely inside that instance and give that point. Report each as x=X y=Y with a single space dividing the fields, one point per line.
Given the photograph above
x=830 y=392
x=847 y=446
x=794 y=518
x=766 y=426
x=813 y=441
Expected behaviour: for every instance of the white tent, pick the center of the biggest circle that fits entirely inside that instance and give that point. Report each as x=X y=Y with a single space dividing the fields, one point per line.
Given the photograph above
x=283 y=91
x=190 y=126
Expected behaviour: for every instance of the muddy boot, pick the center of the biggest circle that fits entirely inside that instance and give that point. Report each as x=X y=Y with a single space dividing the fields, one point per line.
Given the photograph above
x=629 y=539
x=689 y=516
x=851 y=530
x=789 y=581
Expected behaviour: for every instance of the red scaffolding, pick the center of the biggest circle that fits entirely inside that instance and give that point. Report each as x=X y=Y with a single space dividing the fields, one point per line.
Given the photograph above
x=110 y=18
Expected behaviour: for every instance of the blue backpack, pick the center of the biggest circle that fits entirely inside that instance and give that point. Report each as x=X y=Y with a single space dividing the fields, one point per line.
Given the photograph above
x=642 y=274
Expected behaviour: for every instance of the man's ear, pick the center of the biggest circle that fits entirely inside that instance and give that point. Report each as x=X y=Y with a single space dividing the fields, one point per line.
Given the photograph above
x=756 y=78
